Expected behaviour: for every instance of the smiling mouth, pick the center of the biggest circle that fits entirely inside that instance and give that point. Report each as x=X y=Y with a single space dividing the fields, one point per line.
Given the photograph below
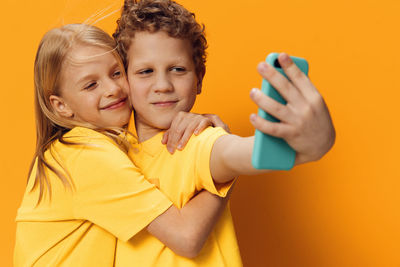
x=165 y=103
x=121 y=102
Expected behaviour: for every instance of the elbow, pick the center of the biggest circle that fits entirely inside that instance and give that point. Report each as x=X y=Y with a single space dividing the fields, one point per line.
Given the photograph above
x=191 y=245
x=190 y=254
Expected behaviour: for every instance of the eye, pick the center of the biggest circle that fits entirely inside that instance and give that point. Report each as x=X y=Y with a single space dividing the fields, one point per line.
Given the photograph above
x=117 y=74
x=145 y=71
x=178 y=69
x=90 y=85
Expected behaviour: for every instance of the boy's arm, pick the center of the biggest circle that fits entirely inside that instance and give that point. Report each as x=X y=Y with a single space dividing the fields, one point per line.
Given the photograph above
x=185 y=230
x=305 y=124
x=231 y=157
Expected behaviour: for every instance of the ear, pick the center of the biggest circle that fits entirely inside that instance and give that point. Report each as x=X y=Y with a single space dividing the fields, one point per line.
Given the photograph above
x=199 y=85
x=61 y=107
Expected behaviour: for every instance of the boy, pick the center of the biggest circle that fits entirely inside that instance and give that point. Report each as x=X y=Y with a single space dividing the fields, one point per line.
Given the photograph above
x=163 y=49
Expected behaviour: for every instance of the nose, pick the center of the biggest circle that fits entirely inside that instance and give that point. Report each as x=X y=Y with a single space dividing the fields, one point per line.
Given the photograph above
x=162 y=84
x=112 y=88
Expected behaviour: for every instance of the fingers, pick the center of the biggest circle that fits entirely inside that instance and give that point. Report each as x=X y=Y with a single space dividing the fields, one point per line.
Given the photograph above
x=175 y=132
x=164 y=140
x=173 y=142
x=277 y=129
x=185 y=130
x=184 y=125
x=285 y=88
x=182 y=128
x=305 y=122
x=272 y=107
x=198 y=125
x=204 y=123
x=297 y=77
x=217 y=122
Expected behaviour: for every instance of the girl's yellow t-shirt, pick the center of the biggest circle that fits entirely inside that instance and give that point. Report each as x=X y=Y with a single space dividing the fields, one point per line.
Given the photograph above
x=110 y=201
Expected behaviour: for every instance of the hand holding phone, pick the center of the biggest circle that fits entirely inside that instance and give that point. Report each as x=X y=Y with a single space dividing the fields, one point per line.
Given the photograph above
x=270 y=152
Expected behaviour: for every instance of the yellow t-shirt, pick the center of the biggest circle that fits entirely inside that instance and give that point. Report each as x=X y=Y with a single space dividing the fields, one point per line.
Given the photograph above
x=111 y=202
x=180 y=176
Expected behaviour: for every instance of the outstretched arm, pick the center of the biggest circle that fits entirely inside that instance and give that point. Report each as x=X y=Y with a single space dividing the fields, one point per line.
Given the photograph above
x=305 y=123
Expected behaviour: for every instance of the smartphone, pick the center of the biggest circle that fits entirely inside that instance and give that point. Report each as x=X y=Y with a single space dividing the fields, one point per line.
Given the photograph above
x=270 y=152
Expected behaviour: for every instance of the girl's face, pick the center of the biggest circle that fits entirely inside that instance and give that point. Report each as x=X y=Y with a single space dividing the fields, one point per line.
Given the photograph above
x=93 y=88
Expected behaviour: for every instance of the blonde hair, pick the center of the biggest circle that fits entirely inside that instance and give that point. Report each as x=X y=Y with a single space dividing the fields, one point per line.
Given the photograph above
x=51 y=54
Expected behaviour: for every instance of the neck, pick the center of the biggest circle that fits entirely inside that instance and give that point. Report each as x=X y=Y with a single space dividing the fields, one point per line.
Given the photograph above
x=145 y=131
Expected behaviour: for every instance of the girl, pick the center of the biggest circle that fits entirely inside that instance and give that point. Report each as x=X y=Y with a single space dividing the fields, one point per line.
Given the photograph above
x=84 y=195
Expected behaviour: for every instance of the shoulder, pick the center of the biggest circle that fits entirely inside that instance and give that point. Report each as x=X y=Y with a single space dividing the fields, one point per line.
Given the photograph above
x=201 y=145
x=81 y=134
x=209 y=135
x=90 y=147
x=80 y=138
x=97 y=159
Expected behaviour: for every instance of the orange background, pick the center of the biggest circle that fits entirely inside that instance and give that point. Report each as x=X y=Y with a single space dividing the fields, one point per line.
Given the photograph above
x=341 y=211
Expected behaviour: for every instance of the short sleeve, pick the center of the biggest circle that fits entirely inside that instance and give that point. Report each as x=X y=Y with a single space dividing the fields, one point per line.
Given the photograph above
x=111 y=192
x=205 y=142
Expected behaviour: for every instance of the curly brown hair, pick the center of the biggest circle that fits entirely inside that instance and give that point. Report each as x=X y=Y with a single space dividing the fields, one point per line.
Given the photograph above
x=161 y=15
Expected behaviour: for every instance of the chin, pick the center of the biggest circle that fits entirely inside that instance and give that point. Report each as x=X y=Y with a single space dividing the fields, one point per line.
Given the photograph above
x=155 y=121
x=121 y=122
x=162 y=123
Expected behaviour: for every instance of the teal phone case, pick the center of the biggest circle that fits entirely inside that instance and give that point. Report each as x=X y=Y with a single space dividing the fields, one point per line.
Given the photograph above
x=270 y=152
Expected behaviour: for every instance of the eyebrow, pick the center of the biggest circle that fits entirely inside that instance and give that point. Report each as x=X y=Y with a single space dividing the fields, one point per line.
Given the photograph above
x=91 y=76
x=145 y=62
x=86 y=77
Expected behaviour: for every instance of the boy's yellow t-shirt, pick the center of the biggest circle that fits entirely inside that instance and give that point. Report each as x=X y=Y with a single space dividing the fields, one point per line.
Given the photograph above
x=179 y=177
x=111 y=202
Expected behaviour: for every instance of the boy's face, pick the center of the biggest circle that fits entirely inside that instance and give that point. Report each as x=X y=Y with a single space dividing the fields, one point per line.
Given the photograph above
x=162 y=78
